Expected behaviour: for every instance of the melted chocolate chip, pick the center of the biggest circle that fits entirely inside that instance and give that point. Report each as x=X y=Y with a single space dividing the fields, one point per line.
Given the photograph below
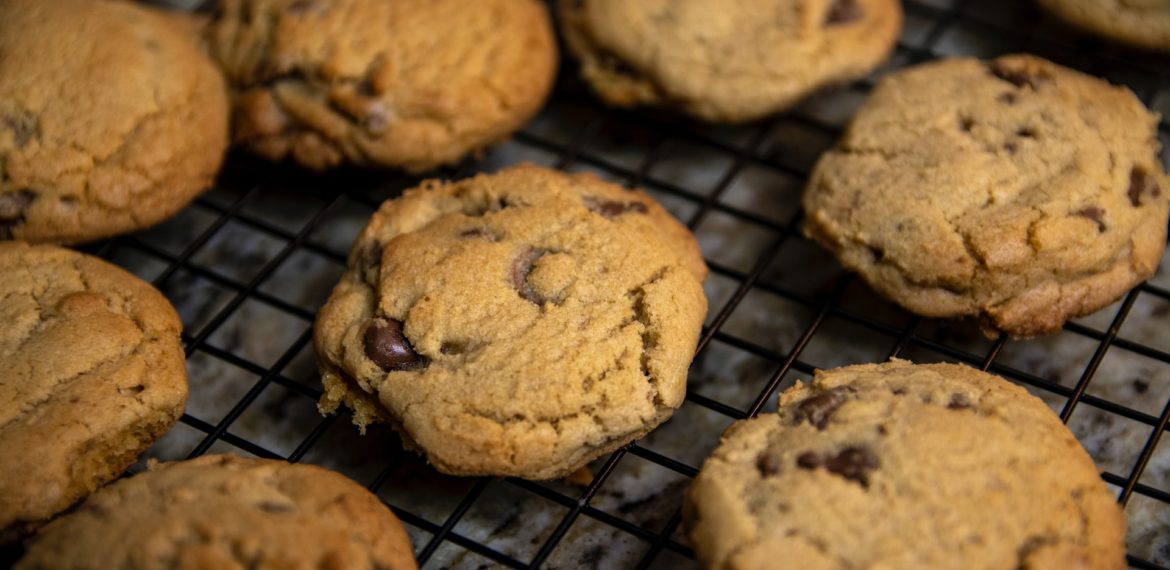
x=843 y=12
x=1142 y=184
x=958 y=402
x=817 y=409
x=13 y=206
x=388 y=347
x=610 y=209
x=1093 y=213
x=521 y=268
x=1016 y=76
x=767 y=464
x=853 y=463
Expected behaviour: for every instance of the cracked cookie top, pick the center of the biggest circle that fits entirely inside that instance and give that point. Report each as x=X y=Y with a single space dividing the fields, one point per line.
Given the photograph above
x=111 y=119
x=1015 y=191
x=723 y=61
x=412 y=84
x=900 y=465
x=93 y=373
x=518 y=323
x=1143 y=23
x=223 y=511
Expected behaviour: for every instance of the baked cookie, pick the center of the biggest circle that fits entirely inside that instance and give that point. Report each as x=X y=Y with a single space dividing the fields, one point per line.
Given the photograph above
x=93 y=374
x=723 y=61
x=111 y=119
x=900 y=465
x=412 y=84
x=1015 y=191
x=520 y=323
x=1142 y=23
x=222 y=511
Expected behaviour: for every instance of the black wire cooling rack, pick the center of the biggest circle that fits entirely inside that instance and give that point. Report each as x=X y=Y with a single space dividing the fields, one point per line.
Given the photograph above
x=249 y=263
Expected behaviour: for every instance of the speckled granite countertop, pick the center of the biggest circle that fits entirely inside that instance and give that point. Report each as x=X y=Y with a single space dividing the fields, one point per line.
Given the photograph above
x=259 y=255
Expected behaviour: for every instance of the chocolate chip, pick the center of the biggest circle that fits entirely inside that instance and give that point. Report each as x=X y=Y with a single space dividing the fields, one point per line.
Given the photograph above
x=966 y=123
x=13 y=206
x=843 y=12
x=1142 y=184
x=481 y=233
x=958 y=402
x=853 y=463
x=1093 y=213
x=767 y=464
x=521 y=268
x=273 y=507
x=610 y=209
x=1140 y=386
x=1026 y=132
x=453 y=348
x=301 y=6
x=817 y=409
x=1014 y=75
x=388 y=347
x=22 y=129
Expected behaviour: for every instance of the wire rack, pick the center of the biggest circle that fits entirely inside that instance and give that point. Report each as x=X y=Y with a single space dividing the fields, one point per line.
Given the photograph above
x=249 y=263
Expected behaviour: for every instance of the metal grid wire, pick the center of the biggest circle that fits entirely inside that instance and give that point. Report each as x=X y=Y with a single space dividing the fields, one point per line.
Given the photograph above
x=286 y=227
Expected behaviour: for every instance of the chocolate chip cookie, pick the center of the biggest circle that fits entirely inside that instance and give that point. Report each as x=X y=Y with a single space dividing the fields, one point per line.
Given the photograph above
x=111 y=119
x=900 y=465
x=1015 y=191
x=412 y=84
x=520 y=323
x=1142 y=23
x=222 y=511
x=723 y=61
x=93 y=374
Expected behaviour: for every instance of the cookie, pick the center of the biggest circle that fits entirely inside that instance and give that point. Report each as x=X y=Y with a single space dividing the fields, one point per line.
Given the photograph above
x=1142 y=23
x=725 y=62
x=519 y=323
x=111 y=119
x=1014 y=191
x=93 y=374
x=222 y=511
x=900 y=465
x=410 y=84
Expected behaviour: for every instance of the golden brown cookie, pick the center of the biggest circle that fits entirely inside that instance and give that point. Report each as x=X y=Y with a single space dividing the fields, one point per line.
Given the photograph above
x=725 y=61
x=1142 y=23
x=519 y=323
x=412 y=84
x=226 y=512
x=111 y=119
x=1015 y=191
x=900 y=465
x=93 y=373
